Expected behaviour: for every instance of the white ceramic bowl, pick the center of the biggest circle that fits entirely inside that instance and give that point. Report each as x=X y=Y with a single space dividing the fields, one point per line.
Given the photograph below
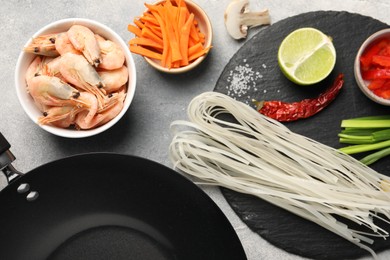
x=204 y=25
x=25 y=59
x=363 y=84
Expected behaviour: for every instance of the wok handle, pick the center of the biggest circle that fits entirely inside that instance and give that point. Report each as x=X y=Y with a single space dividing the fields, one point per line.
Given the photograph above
x=6 y=158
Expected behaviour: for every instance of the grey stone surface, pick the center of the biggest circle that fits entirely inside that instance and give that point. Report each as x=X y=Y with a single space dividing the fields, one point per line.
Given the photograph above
x=159 y=99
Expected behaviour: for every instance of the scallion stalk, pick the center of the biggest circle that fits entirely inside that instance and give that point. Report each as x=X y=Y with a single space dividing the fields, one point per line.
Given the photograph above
x=371 y=158
x=381 y=135
x=364 y=137
x=366 y=134
x=360 y=148
x=375 y=123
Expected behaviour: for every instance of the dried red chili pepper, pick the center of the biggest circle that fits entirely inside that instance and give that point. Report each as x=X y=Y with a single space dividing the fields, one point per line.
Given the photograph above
x=284 y=112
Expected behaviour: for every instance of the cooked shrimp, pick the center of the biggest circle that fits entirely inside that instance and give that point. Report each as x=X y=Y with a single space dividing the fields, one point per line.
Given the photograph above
x=67 y=114
x=77 y=71
x=62 y=117
x=63 y=44
x=112 y=112
x=101 y=118
x=90 y=103
x=43 y=45
x=34 y=69
x=43 y=65
x=83 y=39
x=114 y=79
x=51 y=91
x=112 y=54
x=51 y=67
x=113 y=98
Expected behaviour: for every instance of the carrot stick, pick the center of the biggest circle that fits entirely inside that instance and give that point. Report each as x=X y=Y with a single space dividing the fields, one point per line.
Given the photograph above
x=176 y=64
x=169 y=58
x=135 y=30
x=168 y=3
x=191 y=42
x=182 y=17
x=145 y=52
x=175 y=50
x=184 y=37
x=139 y=24
x=196 y=55
x=147 y=33
x=156 y=30
x=181 y=3
x=152 y=8
x=148 y=18
x=158 y=14
x=194 y=33
x=149 y=24
x=173 y=13
x=145 y=42
x=194 y=49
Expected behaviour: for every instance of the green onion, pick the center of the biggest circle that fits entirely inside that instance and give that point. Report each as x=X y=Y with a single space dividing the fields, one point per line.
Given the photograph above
x=366 y=134
x=367 y=122
x=360 y=148
x=371 y=158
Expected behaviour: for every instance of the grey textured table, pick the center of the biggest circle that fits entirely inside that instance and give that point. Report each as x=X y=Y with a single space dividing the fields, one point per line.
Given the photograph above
x=159 y=98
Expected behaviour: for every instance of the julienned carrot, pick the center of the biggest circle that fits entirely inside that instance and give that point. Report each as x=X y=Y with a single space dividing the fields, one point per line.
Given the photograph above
x=194 y=33
x=145 y=52
x=182 y=17
x=168 y=32
x=147 y=17
x=157 y=13
x=174 y=44
x=139 y=24
x=199 y=54
x=185 y=35
x=135 y=30
x=181 y=3
x=145 y=42
x=194 y=49
x=147 y=33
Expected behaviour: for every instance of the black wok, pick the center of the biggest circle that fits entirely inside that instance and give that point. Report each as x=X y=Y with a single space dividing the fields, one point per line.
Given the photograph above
x=109 y=206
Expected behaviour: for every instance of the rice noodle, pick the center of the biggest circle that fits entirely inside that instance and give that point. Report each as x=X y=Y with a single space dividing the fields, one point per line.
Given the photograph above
x=257 y=155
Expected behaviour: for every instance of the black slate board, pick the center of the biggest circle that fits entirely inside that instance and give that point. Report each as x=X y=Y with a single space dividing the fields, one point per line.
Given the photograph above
x=255 y=64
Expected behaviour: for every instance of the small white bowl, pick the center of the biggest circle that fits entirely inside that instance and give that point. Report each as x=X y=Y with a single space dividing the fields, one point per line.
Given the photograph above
x=363 y=84
x=25 y=59
x=204 y=25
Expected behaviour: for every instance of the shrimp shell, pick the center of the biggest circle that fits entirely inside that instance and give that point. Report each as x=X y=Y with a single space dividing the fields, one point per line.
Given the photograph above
x=62 y=117
x=114 y=79
x=112 y=54
x=43 y=45
x=77 y=71
x=64 y=45
x=83 y=39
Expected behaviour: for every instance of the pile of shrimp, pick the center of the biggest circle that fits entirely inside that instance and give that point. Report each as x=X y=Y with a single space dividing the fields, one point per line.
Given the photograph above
x=78 y=78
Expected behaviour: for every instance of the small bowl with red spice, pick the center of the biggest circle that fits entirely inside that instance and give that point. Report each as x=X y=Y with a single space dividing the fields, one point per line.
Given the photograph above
x=172 y=36
x=372 y=67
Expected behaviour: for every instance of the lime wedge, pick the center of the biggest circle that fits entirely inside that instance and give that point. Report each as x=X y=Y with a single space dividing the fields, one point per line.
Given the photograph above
x=306 y=56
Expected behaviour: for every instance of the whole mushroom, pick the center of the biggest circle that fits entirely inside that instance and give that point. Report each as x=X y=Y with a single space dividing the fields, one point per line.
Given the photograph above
x=238 y=18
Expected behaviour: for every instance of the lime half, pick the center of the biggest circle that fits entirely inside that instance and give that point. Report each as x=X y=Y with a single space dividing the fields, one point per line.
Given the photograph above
x=306 y=56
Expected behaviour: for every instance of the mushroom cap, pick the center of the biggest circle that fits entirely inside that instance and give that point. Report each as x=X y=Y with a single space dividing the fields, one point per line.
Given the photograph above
x=233 y=18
